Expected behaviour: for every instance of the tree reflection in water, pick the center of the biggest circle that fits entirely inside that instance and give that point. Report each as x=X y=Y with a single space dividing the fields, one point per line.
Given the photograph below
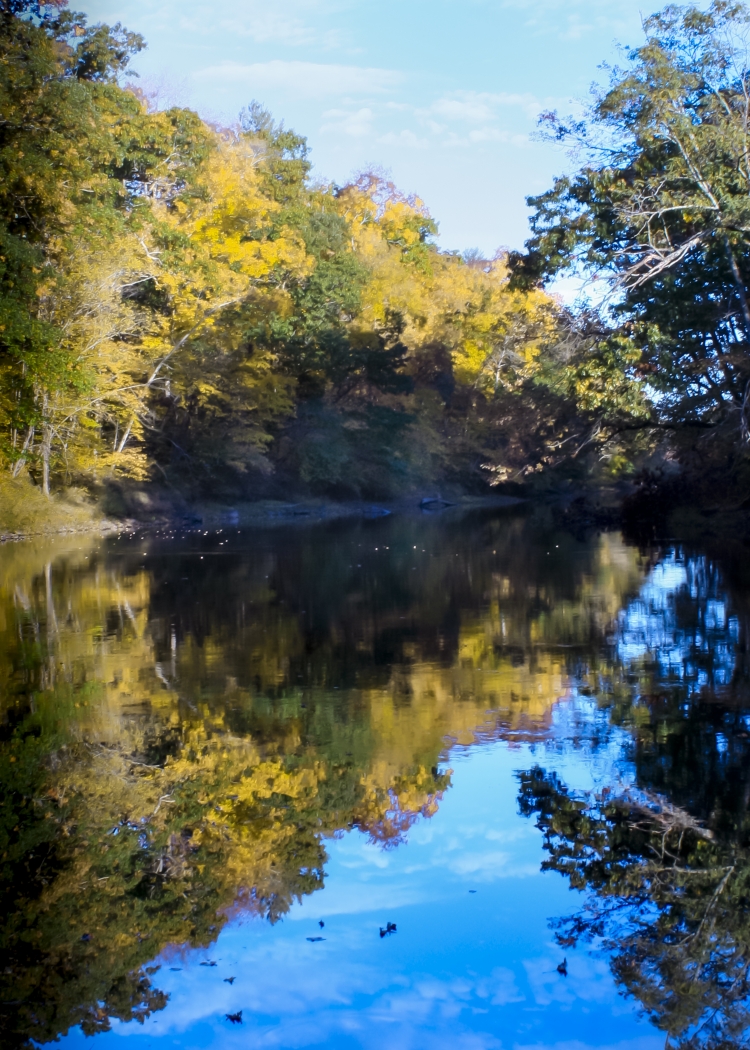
x=183 y=732
x=665 y=863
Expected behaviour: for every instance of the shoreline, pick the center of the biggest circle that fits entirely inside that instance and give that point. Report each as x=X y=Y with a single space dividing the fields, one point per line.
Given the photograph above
x=258 y=514
x=26 y=515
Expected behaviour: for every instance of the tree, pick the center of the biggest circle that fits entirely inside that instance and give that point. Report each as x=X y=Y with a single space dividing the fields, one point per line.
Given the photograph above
x=476 y=347
x=658 y=209
x=61 y=112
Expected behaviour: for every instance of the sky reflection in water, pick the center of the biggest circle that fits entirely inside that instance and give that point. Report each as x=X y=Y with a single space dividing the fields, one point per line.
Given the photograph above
x=464 y=969
x=295 y=660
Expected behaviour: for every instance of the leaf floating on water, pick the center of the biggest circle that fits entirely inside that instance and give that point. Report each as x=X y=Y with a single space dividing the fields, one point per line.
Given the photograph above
x=389 y=928
x=235 y=1018
x=208 y=964
x=230 y=980
x=314 y=939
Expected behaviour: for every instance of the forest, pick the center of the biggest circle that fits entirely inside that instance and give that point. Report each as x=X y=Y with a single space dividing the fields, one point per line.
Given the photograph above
x=184 y=306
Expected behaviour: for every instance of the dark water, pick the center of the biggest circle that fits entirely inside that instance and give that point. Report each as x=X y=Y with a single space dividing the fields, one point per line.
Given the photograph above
x=230 y=760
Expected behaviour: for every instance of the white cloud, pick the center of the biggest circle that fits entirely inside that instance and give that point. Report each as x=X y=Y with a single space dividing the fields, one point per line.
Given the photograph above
x=497 y=135
x=500 y=987
x=573 y=19
x=270 y=26
x=478 y=107
x=292 y=23
x=589 y=980
x=489 y=135
x=358 y=124
x=357 y=898
x=308 y=78
x=403 y=138
x=530 y=104
x=460 y=120
x=489 y=866
x=471 y=109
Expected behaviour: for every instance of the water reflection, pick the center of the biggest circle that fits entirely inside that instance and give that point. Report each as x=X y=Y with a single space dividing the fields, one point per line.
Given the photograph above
x=666 y=858
x=201 y=728
x=683 y=622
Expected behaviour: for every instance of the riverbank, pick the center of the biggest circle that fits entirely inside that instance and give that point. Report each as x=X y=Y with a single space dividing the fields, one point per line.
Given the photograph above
x=25 y=512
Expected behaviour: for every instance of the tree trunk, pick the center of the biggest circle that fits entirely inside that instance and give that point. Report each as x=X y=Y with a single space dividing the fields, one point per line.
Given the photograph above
x=742 y=295
x=19 y=464
x=125 y=436
x=45 y=461
x=52 y=628
x=739 y=285
x=46 y=446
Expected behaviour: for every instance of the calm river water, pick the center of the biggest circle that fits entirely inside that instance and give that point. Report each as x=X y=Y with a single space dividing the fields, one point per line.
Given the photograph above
x=412 y=783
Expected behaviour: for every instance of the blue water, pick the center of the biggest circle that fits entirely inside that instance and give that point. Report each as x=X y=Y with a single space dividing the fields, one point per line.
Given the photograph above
x=473 y=963
x=510 y=647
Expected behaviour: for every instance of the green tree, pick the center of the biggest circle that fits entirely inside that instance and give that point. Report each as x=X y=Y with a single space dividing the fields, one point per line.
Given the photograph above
x=659 y=210
x=77 y=155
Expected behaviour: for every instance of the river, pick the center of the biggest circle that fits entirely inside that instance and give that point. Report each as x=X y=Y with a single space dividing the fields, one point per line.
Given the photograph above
x=449 y=780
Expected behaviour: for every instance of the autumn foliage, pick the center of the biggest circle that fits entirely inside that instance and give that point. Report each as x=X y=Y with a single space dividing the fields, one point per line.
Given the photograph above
x=181 y=304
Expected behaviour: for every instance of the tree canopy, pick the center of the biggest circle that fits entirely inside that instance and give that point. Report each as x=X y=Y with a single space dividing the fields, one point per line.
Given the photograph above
x=657 y=212
x=182 y=304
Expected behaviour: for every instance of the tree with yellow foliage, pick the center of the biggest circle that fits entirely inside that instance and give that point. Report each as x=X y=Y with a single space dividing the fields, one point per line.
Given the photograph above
x=181 y=303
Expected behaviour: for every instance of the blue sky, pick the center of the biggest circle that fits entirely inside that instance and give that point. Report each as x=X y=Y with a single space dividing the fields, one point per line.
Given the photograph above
x=444 y=94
